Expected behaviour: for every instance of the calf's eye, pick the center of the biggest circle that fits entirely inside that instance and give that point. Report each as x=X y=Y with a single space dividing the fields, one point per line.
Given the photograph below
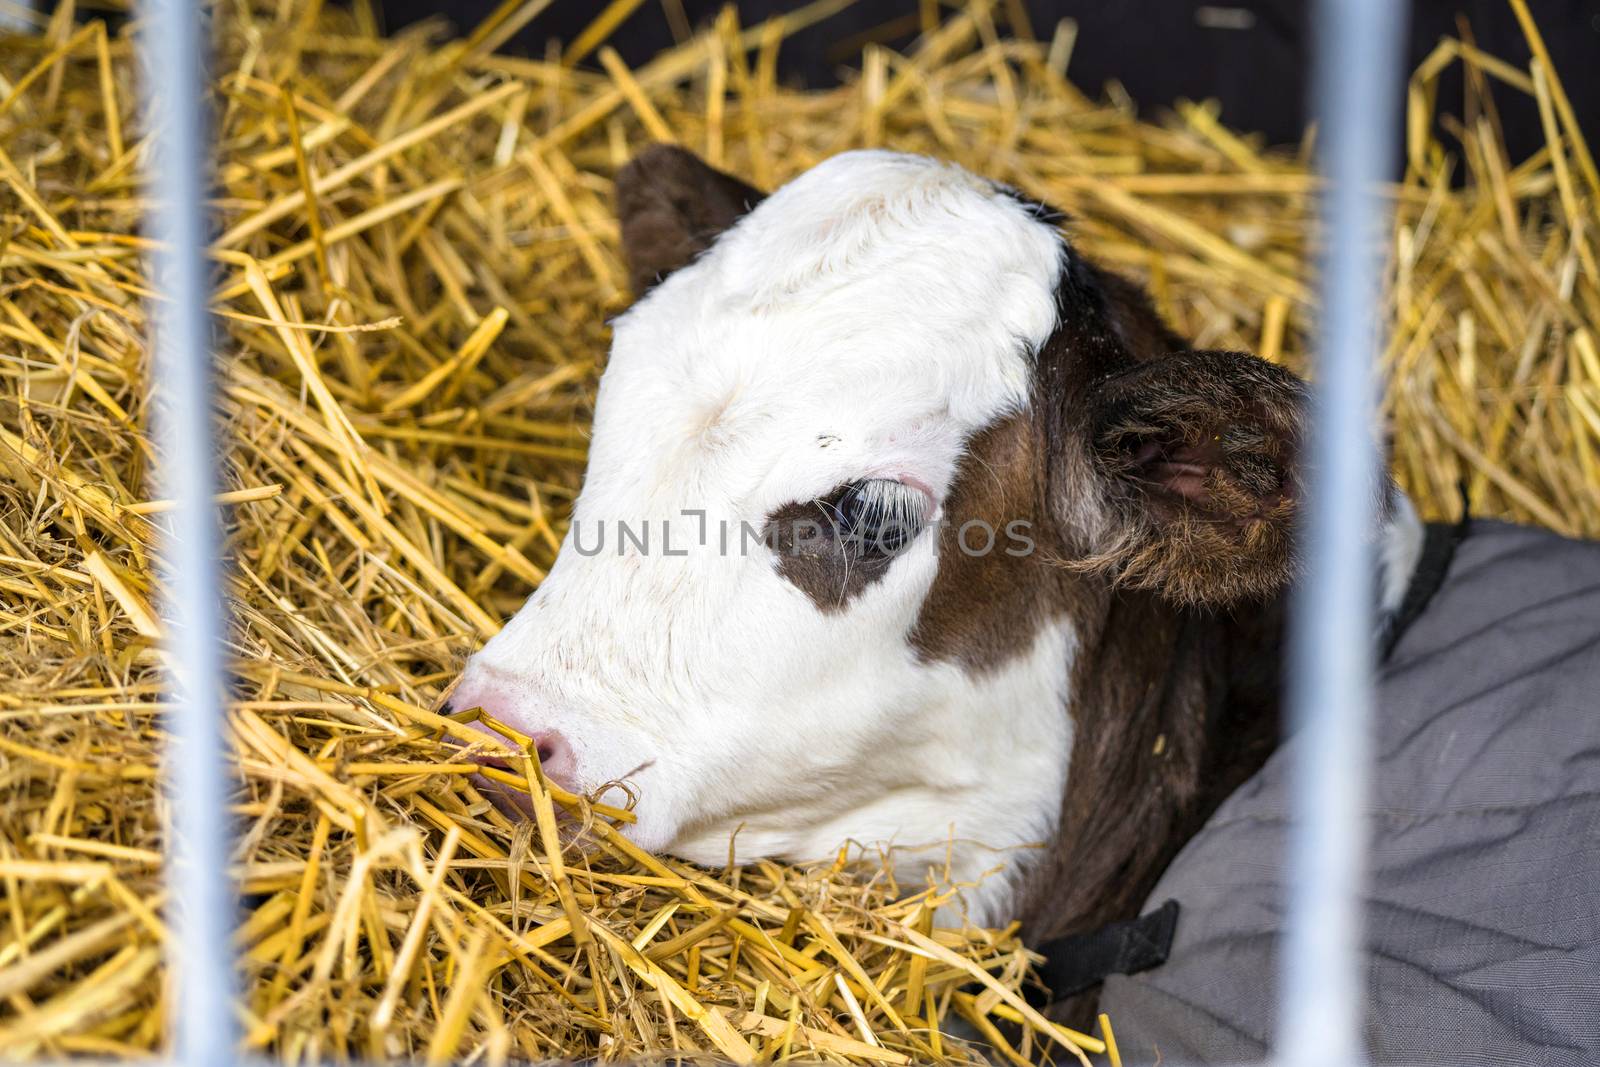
x=877 y=516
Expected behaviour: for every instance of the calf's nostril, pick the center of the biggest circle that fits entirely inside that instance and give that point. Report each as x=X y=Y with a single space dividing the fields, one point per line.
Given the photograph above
x=555 y=757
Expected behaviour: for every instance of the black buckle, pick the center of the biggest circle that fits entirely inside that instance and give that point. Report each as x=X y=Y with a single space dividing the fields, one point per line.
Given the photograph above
x=1080 y=961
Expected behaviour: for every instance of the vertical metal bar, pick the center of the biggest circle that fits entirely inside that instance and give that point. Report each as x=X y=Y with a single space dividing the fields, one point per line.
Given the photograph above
x=1357 y=98
x=172 y=45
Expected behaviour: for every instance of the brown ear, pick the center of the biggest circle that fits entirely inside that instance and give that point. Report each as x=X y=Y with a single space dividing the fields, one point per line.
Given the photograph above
x=1197 y=456
x=672 y=206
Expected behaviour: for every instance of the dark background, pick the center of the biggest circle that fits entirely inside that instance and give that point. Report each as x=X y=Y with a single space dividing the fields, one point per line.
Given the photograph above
x=1252 y=55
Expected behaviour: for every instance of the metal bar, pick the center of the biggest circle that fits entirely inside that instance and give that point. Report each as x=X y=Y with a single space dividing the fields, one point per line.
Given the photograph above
x=1357 y=88
x=172 y=45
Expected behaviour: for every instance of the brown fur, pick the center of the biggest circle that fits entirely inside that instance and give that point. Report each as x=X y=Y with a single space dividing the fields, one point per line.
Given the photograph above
x=671 y=206
x=983 y=610
x=814 y=558
x=1152 y=669
x=1173 y=706
x=1172 y=710
x=1172 y=584
x=1224 y=532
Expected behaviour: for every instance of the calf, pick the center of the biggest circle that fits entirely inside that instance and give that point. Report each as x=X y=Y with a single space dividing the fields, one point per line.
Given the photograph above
x=905 y=523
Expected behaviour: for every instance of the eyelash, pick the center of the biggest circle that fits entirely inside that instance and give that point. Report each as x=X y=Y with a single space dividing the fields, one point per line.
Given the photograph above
x=878 y=516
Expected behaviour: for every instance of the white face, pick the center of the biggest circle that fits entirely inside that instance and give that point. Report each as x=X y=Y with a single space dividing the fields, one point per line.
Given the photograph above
x=858 y=325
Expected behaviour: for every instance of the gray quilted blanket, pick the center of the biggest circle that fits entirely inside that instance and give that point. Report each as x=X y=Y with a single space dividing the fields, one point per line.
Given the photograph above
x=1483 y=910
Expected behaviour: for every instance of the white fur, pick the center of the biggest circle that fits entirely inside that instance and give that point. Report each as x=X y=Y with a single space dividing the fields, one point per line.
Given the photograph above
x=862 y=322
x=1399 y=549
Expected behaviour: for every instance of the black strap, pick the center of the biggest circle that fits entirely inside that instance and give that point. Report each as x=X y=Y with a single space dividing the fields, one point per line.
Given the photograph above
x=1080 y=961
x=1438 y=549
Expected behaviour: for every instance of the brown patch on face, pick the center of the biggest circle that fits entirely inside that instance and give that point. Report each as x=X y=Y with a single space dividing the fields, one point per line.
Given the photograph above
x=816 y=559
x=986 y=606
x=986 y=609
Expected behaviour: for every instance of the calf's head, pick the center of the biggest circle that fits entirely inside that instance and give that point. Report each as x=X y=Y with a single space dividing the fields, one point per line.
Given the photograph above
x=867 y=454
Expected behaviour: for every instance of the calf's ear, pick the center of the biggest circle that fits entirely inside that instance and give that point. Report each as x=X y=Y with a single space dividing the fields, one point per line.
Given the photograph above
x=671 y=206
x=1196 y=456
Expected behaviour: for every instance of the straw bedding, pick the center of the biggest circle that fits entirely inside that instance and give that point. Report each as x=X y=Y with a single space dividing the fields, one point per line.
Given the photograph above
x=415 y=265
